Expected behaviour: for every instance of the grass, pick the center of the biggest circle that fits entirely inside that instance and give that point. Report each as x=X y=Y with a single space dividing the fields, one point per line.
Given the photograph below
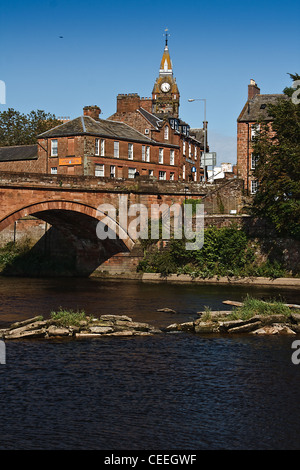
x=68 y=317
x=252 y=307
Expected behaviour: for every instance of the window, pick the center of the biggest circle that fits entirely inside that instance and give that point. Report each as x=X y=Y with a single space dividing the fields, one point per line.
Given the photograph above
x=54 y=170
x=195 y=152
x=112 y=171
x=143 y=153
x=254 y=186
x=190 y=150
x=255 y=128
x=172 y=123
x=99 y=170
x=102 y=147
x=172 y=176
x=96 y=146
x=183 y=172
x=147 y=154
x=166 y=133
x=183 y=146
x=162 y=175
x=54 y=148
x=131 y=172
x=150 y=172
x=172 y=157
x=130 y=151
x=254 y=159
x=161 y=156
x=116 y=149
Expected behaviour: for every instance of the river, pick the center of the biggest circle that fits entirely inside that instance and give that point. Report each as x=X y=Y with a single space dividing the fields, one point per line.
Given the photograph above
x=169 y=391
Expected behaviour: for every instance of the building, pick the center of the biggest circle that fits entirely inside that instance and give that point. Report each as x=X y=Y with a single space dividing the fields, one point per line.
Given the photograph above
x=21 y=158
x=255 y=110
x=90 y=146
x=158 y=118
x=145 y=137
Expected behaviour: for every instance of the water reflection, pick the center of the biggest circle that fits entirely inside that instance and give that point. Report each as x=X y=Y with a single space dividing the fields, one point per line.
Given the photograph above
x=169 y=391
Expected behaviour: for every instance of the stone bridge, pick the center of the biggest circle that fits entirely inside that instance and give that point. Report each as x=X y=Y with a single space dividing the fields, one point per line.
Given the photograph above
x=70 y=206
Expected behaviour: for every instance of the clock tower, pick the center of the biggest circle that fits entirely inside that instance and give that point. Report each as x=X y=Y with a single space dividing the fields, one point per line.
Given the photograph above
x=165 y=94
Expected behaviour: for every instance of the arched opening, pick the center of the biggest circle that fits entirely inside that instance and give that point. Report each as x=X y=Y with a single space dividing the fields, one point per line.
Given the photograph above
x=70 y=246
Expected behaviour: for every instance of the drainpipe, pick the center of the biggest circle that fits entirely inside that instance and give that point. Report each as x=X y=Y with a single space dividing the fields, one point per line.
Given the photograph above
x=248 y=159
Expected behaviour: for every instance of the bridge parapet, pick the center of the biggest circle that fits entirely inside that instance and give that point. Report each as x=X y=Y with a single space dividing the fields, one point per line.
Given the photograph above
x=89 y=183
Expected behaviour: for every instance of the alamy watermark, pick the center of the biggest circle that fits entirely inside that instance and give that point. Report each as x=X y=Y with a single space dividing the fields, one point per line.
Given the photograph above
x=296 y=354
x=2 y=352
x=2 y=92
x=159 y=221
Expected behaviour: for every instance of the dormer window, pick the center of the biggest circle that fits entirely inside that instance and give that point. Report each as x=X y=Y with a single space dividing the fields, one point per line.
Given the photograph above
x=172 y=123
x=166 y=133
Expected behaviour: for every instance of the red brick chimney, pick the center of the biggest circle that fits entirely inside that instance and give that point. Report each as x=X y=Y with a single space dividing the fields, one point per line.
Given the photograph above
x=92 y=111
x=253 y=89
x=128 y=103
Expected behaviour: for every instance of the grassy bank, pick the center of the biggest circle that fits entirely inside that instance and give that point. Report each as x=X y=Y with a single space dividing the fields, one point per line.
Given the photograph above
x=226 y=252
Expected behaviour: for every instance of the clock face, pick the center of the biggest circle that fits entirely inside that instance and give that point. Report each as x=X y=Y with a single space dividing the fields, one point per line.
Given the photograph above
x=165 y=87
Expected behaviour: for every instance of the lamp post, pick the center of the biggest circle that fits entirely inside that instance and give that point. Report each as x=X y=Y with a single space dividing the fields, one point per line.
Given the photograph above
x=204 y=129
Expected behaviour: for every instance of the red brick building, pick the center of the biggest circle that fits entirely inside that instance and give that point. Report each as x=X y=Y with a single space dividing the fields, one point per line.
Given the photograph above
x=91 y=146
x=145 y=137
x=255 y=110
x=158 y=118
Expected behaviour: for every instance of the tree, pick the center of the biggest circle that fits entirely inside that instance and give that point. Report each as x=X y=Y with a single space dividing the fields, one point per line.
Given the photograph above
x=277 y=150
x=21 y=129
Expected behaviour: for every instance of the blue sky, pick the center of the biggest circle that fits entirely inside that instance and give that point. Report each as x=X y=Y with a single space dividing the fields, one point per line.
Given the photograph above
x=116 y=47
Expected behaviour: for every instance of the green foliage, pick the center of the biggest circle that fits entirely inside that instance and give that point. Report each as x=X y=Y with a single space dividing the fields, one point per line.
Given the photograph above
x=21 y=129
x=12 y=251
x=278 y=167
x=252 y=307
x=193 y=203
x=226 y=252
x=68 y=317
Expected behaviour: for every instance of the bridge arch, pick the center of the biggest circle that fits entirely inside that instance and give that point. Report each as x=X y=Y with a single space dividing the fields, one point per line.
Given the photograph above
x=77 y=223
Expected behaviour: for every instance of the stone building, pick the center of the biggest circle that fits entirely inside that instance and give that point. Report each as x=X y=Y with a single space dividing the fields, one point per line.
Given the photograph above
x=158 y=118
x=255 y=110
x=145 y=137
x=91 y=146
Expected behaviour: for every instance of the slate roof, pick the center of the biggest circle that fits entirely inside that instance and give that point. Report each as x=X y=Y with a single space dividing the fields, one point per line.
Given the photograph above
x=154 y=120
x=257 y=108
x=18 y=152
x=197 y=134
x=85 y=125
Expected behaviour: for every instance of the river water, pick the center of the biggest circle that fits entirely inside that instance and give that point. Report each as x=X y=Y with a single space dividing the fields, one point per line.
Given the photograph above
x=169 y=391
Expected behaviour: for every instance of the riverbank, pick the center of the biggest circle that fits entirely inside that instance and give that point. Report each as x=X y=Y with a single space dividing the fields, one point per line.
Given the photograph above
x=289 y=282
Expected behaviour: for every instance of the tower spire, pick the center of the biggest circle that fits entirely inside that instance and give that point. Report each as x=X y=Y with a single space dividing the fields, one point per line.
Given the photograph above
x=166 y=63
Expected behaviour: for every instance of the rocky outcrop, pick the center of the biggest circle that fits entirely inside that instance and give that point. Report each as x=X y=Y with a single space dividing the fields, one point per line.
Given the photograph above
x=218 y=323
x=105 y=325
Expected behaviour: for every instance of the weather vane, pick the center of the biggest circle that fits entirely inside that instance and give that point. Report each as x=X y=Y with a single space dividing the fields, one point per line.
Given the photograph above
x=166 y=34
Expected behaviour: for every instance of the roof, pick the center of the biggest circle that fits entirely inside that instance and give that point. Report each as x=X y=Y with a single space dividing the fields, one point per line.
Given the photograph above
x=86 y=125
x=197 y=134
x=257 y=108
x=18 y=152
x=153 y=119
